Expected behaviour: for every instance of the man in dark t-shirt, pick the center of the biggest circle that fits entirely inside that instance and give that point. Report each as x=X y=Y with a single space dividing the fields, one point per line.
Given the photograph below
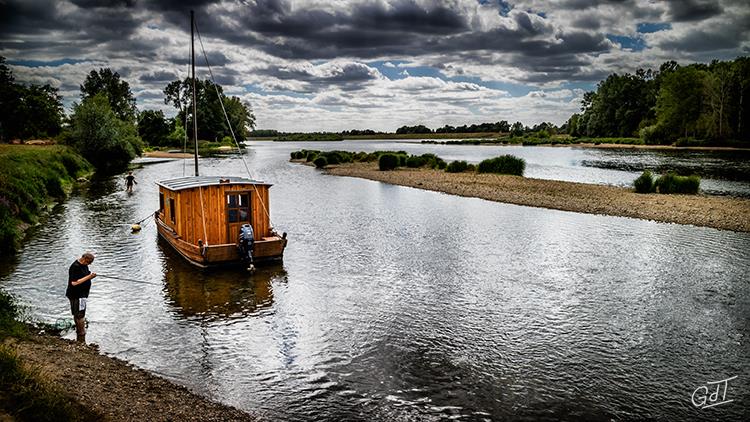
x=129 y=180
x=79 y=284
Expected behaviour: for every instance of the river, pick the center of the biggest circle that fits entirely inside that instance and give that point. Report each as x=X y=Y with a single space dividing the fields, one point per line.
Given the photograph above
x=394 y=303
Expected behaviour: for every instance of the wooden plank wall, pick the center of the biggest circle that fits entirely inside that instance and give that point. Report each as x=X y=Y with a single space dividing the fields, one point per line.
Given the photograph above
x=190 y=222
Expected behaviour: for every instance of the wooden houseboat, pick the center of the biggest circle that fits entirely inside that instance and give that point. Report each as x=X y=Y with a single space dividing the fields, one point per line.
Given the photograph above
x=201 y=217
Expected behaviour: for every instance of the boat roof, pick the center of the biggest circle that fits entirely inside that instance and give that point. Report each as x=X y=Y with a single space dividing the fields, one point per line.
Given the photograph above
x=190 y=182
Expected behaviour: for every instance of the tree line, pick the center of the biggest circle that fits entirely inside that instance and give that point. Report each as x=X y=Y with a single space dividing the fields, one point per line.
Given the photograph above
x=696 y=101
x=106 y=127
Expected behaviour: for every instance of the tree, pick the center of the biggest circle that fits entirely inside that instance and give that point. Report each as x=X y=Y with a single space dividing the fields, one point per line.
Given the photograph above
x=212 y=124
x=678 y=107
x=33 y=111
x=517 y=129
x=241 y=117
x=717 y=86
x=117 y=91
x=620 y=104
x=106 y=141
x=153 y=128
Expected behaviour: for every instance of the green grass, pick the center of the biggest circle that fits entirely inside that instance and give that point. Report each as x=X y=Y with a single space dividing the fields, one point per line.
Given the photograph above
x=10 y=311
x=310 y=137
x=644 y=183
x=504 y=164
x=30 y=177
x=672 y=183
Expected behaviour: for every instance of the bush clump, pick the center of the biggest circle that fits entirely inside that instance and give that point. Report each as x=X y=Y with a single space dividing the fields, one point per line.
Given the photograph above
x=504 y=164
x=321 y=162
x=672 y=183
x=457 y=167
x=388 y=162
x=644 y=183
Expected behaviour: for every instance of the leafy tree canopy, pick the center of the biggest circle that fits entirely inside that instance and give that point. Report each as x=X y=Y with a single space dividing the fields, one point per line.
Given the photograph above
x=33 y=111
x=117 y=91
x=212 y=124
x=106 y=141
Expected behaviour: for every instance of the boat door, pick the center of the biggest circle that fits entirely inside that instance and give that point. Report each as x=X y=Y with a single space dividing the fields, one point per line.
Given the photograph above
x=238 y=213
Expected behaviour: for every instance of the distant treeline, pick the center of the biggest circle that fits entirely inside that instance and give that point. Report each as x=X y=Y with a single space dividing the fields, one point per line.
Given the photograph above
x=697 y=101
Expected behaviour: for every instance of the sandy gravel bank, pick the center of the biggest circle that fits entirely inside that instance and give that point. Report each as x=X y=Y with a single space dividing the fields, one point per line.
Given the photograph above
x=113 y=388
x=724 y=213
x=164 y=154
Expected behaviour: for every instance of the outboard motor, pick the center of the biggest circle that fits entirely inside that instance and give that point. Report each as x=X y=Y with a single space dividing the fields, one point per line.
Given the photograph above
x=246 y=244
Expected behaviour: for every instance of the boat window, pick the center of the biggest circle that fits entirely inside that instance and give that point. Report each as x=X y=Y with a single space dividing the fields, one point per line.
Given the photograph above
x=238 y=208
x=161 y=202
x=172 y=211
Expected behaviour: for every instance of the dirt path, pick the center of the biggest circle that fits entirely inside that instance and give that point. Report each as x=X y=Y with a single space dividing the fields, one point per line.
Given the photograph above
x=719 y=212
x=115 y=389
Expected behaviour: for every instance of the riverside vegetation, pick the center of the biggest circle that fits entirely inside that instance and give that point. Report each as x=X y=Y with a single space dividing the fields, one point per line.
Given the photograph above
x=30 y=178
x=391 y=160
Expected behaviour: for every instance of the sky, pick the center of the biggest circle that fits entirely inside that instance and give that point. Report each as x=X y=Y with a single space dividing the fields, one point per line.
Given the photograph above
x=312 y=65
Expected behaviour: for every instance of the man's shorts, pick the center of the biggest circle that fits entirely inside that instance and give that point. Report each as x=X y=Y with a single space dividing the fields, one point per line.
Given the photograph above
x=75 y=308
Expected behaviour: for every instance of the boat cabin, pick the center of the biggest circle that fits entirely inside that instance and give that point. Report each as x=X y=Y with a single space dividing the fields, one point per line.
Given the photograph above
x=201 y=217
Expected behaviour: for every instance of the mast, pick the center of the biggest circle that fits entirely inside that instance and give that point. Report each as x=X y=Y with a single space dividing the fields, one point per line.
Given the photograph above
x=195 y=114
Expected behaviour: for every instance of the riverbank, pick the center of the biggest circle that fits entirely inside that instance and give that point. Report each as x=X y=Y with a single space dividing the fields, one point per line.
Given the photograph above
x=31 y=178
x=725 y=213
x=112 y=388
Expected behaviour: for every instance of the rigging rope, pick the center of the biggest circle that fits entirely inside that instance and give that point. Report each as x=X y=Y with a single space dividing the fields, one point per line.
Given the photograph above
x=229 y=124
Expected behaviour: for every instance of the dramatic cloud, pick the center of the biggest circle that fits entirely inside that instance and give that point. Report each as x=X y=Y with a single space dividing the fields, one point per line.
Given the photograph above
x=322 y=65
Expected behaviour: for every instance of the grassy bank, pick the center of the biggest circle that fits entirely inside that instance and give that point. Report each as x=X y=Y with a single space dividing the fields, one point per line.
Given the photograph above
x=30 y=178
x=24 y=393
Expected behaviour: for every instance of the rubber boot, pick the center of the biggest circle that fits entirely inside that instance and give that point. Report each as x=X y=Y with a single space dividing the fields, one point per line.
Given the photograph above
x=80 y=330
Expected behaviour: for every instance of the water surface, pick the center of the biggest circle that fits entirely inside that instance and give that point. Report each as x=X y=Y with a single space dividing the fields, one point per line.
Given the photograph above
x=399 y=304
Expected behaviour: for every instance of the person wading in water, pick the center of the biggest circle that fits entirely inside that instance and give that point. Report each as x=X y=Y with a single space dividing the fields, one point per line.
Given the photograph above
x=79 y=284
x=129 y=180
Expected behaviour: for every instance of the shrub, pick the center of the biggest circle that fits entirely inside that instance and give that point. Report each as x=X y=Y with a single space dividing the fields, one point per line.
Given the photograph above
x=672 y=183
x=440 y=164
x=471 y=167
x=644 y=183
x=654 y=135
x=310 y=155
x=388 y=162
x=504 y=164
x=415 y=161
x=457 y=167
x=321 y=162
x=402 y=160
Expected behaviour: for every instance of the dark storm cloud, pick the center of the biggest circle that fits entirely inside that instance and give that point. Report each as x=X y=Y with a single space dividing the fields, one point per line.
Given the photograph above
x=92 y=25
x=693 y=10
x=587 y=22
x=347 y=76
x=159 y=76
x=86 y=4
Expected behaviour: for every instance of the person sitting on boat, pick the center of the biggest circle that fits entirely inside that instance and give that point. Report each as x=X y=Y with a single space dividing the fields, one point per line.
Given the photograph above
x=246 y=245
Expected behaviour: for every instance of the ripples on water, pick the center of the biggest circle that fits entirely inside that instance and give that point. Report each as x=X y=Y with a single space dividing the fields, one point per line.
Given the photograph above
x=399 y=304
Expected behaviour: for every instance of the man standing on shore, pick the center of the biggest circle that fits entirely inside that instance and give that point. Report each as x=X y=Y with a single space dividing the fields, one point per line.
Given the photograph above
x=79 y=284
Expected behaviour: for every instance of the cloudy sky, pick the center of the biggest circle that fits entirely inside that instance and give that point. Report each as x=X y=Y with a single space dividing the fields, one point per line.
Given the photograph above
x=310 y=65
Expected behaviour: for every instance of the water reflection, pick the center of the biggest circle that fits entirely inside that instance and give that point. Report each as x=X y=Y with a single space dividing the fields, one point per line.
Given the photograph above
x=220 y=293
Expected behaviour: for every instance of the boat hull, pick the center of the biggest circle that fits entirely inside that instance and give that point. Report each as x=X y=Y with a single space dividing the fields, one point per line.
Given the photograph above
x=266 y=249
